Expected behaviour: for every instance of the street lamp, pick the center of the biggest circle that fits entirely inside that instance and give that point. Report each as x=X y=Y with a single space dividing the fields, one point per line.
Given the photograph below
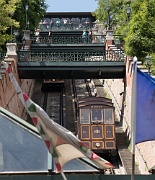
x=23 y=42
x=26 y=8
x=108 y=10
x=11 y=17
x=28 y=23
x=117 y=42
x=128 y=11
x=148 y=62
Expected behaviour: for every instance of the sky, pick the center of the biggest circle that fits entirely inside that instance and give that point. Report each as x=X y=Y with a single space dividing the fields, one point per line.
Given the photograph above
x=71 y=5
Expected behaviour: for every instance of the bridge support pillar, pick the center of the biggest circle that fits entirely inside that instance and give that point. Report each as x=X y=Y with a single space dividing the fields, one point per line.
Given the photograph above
x=26 y=37
x=109 y=38
x=11 y=50
x=11 y=56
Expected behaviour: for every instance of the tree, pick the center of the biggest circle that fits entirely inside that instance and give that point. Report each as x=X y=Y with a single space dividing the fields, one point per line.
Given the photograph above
x=35 y=12
x=116 y=11
x=140 y=40
x=7 y=8
x=137 y=31
x=13 y=16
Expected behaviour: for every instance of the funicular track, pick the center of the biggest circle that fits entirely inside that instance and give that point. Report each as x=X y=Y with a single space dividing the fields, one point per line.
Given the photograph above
x=53 y=102
x=51 y=99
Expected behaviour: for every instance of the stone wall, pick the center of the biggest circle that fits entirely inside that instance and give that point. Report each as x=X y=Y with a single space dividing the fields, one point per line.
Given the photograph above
x=120 y=92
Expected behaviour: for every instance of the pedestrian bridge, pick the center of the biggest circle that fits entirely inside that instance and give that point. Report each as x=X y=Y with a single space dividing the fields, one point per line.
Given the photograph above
x=57 y=63
x=62 y=52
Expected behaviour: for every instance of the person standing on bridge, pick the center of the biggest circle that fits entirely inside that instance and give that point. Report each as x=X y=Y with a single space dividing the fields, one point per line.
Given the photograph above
x=50 y=38
x=84 y=37
x=58 y=23
x=65 y=23
x=86 y=24
x=71 y=24
x=90 y=36
x=51 y=24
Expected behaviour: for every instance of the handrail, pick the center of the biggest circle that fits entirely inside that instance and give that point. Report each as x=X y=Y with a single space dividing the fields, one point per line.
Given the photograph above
x=65 y=39
x=68 y=26
x=75 y=56
x=2 y=55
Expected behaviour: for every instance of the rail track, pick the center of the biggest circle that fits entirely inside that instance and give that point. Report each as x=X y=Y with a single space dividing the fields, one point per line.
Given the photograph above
x=54 y=104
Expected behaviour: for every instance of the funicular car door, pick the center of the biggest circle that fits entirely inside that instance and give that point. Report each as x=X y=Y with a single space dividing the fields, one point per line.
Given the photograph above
x=84 y=126
x=109 y=128
x=97 y=129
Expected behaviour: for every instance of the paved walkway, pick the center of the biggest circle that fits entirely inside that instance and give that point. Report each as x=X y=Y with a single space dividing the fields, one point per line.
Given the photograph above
x=123 y=150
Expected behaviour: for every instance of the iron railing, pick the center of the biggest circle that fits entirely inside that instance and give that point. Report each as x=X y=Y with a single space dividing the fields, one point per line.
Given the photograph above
x=67 y=27
x=2 y=55
x=76 y=39
x=29 y=56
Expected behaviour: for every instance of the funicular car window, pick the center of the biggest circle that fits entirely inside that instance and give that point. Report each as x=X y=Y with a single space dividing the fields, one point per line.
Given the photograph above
x=96 y=115
x=85 y=116
x=108 y=116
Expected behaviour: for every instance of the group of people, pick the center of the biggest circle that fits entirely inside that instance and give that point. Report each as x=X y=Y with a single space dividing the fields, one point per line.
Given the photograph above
x=62 y=23
x=87 y=36
x=65 y=23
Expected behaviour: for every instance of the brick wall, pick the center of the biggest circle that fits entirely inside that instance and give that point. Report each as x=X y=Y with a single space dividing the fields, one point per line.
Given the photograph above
x=8 y=97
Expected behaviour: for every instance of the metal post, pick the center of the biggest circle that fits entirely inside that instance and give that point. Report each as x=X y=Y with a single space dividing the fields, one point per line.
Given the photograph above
x=26 y=20
x=11 y=25
x=26 y=8
x=108 y=21
x=108 y=10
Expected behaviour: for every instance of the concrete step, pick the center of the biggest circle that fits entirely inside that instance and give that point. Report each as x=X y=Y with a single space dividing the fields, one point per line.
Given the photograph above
x=145 y=70
x=139 y=62
x=141 y=66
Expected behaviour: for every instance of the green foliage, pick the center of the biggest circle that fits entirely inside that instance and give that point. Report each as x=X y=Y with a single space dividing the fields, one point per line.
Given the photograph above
x=35 y=13
x=137 y=30
x=7 y=9
x=140 y=40
x=152 y=63
x=116 y=11
x=13 y=16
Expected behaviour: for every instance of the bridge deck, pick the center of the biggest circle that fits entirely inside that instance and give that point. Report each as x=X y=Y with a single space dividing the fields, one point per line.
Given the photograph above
x=71 y=70
x=63 y=52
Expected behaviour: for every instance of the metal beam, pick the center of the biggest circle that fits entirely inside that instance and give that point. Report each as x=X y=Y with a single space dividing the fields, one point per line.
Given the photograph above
x=72 y=70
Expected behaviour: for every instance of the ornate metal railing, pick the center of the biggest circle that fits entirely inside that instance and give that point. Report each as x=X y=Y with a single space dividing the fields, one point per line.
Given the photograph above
x=76 y=39
x=67 y=27
x=115 y=55
x=2 y=55
x=29 y=56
